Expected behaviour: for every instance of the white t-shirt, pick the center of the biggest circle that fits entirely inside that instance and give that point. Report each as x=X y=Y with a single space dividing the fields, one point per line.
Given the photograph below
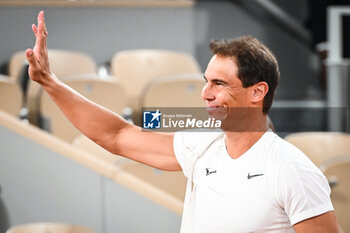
x=271 y=187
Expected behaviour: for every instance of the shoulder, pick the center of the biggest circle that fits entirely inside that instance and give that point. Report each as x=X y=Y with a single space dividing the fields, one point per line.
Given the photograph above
x=297 y=167
x=196 y=141
x=289 y=167
x=286 y=153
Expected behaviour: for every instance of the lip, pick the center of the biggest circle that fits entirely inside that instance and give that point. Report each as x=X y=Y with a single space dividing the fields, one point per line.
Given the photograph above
x=213 y=106
x=213 y=110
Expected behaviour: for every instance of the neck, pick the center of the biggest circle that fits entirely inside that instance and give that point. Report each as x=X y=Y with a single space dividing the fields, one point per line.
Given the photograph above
x=239 y=141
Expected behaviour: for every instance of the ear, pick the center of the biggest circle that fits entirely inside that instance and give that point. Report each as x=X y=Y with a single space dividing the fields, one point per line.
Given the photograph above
x=259 y=92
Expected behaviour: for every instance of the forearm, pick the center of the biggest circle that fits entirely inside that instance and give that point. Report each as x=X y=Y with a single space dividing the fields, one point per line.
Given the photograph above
x=96 y=122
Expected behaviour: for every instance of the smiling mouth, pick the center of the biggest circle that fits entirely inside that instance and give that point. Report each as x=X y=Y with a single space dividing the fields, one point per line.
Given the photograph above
x=213 y=107
x=213 y=110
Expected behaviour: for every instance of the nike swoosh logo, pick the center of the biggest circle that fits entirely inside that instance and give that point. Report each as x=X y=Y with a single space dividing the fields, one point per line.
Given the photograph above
x=252 y=176
x=210 y=172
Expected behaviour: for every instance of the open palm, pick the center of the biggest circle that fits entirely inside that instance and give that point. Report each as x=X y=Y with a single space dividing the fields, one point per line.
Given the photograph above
x=39 y=68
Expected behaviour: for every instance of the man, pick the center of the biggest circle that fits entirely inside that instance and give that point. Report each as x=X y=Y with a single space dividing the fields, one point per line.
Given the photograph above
x=246 y=179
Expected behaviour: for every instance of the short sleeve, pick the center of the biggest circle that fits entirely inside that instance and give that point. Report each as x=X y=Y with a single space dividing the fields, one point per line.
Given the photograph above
x=303 y=191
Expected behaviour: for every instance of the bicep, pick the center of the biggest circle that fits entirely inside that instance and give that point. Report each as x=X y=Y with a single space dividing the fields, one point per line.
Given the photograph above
x=324 y=223
x=148 y=147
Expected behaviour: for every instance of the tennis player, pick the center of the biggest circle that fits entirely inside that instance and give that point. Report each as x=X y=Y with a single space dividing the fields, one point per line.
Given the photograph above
x=245 y=178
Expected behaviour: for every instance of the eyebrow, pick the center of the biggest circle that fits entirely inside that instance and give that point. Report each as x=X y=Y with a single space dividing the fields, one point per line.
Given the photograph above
x=215 y=80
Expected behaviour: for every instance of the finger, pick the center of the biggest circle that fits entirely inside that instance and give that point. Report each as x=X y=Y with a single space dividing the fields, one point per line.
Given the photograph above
x=41 y=20
x=32 y=59
x=41 y=44
x=41 y=16
x=35 y=30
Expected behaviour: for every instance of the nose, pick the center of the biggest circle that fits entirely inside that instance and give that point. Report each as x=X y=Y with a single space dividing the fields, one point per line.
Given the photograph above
x=207 y=93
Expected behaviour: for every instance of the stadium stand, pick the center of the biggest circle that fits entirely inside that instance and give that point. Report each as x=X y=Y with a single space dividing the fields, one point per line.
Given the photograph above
x=135 y=68
x=174 y=91
x=173 y=183
x=78 y=187
x=11 y=96
x=321 y=146
x=62 y=63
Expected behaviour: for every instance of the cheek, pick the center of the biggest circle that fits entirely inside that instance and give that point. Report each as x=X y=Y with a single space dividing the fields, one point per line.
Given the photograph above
x=224 y=97
x=229 y=96
x=234 y=98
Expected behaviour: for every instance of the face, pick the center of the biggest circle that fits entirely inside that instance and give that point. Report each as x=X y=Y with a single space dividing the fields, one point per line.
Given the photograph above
x=223 y=91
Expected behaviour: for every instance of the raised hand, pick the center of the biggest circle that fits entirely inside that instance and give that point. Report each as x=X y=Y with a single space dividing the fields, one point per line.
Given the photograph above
x=39 y=68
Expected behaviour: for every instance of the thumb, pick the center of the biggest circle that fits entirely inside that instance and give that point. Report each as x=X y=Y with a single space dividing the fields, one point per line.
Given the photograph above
x=34 y=67
x=32 y=59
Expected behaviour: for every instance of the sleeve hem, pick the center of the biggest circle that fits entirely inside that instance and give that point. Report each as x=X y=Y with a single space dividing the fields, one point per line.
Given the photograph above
x=311 y=213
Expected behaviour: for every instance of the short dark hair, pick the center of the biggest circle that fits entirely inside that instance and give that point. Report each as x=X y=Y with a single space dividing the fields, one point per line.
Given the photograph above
x=255 y=63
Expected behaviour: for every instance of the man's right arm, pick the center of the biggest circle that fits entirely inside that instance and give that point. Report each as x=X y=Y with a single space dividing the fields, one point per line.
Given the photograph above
x=104 y=127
